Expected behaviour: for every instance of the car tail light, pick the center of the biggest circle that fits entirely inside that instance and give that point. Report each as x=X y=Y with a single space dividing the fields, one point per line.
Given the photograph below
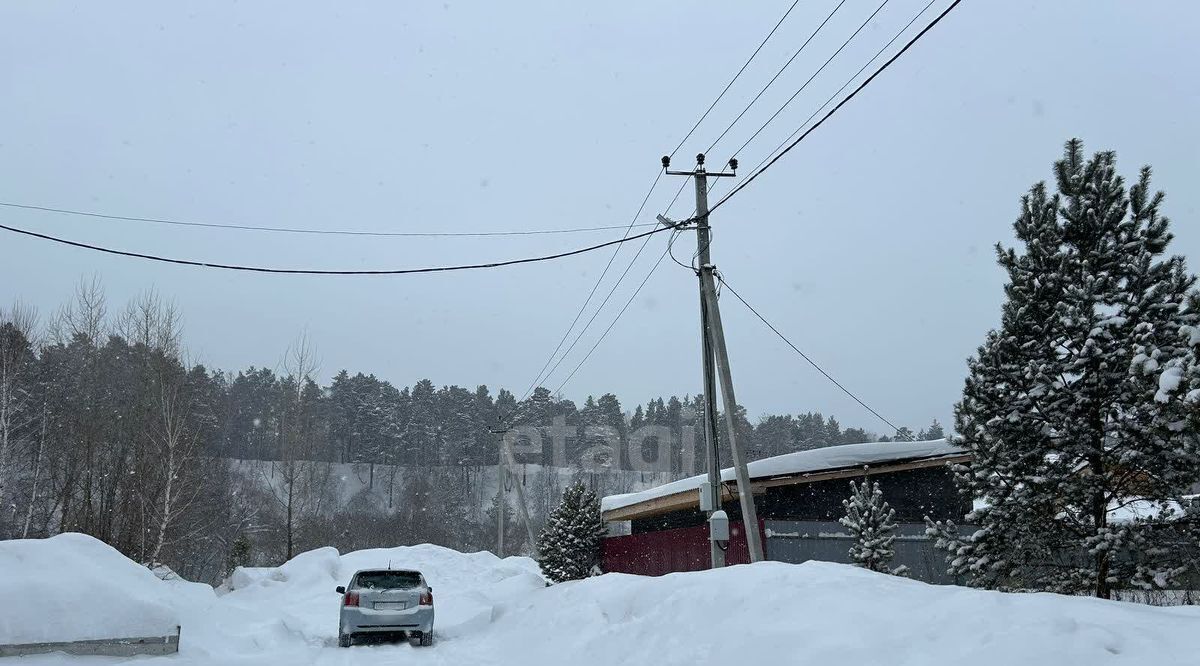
x=426 y=598
x=351 y=599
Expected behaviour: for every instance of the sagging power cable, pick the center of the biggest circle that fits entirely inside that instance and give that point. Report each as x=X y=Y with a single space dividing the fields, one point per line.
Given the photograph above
x=322 y=232
x=807 y=358
x=308 y=271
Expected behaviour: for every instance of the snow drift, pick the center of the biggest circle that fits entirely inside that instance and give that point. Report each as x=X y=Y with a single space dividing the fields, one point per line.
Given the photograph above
x=73 y=587
x=823 y=613
x=498 y=611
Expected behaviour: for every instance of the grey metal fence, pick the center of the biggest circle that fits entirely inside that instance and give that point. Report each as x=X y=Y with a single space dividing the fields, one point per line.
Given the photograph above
x=798 y=541
x=108 y=647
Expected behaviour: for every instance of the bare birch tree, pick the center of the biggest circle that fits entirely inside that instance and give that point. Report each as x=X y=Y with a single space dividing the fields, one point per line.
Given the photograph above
x=154 y=323
x=300 y=484
x=37 y=473
x=83 y=316
x=175 y=448
x=16 y=388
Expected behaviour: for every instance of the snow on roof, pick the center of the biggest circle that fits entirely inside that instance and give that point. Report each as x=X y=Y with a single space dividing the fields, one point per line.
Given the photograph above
x=812 y=460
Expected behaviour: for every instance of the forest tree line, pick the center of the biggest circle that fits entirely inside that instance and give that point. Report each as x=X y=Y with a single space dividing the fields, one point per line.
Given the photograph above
x=107 y=429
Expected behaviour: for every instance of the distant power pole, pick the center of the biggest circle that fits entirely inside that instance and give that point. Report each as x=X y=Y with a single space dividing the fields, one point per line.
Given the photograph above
x=500 y=499
x=505 y=459
x=714 y=353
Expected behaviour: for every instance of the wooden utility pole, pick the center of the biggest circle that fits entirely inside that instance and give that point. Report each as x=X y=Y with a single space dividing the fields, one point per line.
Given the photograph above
x=715 y=353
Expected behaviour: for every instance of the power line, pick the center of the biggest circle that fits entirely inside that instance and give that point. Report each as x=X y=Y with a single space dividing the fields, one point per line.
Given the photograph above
x=332 y=232
x=305 y=271
x=835 y=109
x=726 y=198
x=675 y=234
x=758 y=171
x=543 y=374
x=675 y=198
x=615 y=319
x=805 y=356
x=617 y=284
x=607 y=297
x=599 y=309
x=579 y=313
x=566 y=334
x=670 y=242
x=777 y=74
x=845 y=85
x=671 y=251
x=735 y=78
x=639 y=251
x=712 y=185
x=810 y=79
x=518 y=410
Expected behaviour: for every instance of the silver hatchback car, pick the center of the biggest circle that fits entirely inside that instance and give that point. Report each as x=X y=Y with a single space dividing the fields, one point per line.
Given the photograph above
x=386 y=601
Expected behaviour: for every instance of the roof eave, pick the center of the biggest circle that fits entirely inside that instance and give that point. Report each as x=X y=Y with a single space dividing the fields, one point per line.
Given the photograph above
x=689 y=499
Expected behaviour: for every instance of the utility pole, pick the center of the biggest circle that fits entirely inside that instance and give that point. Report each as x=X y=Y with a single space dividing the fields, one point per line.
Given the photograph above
x=506 y=459
x=522 y=505
x=712 y=453
x=500 y=499
x=715 y=353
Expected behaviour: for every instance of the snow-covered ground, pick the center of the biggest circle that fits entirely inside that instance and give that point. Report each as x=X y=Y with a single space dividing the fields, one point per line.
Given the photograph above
x=493 y=611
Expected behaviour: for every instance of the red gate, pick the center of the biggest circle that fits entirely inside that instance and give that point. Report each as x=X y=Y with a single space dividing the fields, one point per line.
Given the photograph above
x=667 y=551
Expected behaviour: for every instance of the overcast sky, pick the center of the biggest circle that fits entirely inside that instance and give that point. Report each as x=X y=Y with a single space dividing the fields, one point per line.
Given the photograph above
x=869 y=245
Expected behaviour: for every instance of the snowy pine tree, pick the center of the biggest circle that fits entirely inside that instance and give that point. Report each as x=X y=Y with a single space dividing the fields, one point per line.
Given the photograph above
x=934 y=431
x=239 y=554
x=1073 y=408
x=871 y=522
x=569 y=546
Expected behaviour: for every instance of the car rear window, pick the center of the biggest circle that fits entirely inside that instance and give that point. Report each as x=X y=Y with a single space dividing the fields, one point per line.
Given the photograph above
x=387 y=580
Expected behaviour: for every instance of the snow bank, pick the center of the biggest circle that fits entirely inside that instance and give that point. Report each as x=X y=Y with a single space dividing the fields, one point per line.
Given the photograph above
x=493 y=611
x=822 y=613
x=498 y=611
x=243 y=577
x=74 y=587
x=813 y=460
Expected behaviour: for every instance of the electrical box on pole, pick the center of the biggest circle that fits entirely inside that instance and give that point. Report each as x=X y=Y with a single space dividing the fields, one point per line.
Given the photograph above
x=708 y=499
x=718 y=527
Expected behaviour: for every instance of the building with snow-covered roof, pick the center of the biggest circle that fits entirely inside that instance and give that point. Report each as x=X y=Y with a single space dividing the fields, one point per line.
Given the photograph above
x=799 y=500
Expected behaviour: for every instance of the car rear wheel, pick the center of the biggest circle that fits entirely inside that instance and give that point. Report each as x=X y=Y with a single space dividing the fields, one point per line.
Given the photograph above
x=343 y=640
x=422 y=638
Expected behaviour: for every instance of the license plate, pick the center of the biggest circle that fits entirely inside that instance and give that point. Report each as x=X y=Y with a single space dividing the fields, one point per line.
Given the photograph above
x=390 y=605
